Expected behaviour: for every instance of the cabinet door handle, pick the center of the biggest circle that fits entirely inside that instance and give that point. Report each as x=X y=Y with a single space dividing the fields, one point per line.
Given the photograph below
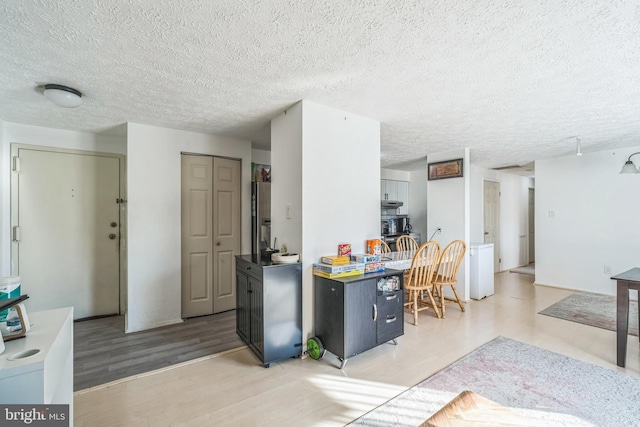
x=390 y=297
x=391 y=319
x=375 y=312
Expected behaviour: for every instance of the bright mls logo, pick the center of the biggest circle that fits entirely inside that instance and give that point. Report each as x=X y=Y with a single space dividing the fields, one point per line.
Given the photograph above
x=35 y=415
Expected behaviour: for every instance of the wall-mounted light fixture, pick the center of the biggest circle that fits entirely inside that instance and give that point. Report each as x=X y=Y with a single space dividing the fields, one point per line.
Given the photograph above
x=63 y=96
x=629 y=167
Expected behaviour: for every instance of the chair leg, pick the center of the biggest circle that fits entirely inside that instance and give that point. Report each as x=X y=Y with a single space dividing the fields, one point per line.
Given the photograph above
x=443 y=302
x=415 y=308
x=457 y=298
x=433 y=303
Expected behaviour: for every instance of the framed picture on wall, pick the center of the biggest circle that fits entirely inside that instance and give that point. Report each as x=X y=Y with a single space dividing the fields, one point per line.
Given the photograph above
x=446 y=169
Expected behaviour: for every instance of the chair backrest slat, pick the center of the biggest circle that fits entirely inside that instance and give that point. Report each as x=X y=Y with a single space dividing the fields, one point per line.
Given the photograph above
x=424 y=264
x=406 y=243
x=450 y=260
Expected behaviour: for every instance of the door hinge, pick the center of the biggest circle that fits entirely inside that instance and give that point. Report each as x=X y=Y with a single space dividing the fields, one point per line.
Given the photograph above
x=16 y=164
x=16 y=233
x=499 y=260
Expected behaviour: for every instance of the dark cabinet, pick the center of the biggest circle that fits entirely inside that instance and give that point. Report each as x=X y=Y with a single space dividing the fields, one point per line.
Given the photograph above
x=355 y=314
x=269 y=308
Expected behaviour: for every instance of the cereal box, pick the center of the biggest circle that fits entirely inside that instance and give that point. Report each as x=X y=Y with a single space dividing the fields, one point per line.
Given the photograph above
x=374 y=247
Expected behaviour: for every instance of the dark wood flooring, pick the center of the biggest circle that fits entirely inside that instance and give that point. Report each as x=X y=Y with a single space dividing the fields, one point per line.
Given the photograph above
x=104 y=353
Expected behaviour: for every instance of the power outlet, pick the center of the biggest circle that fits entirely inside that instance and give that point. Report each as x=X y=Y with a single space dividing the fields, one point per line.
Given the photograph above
x=439 y=230
x=607 y=269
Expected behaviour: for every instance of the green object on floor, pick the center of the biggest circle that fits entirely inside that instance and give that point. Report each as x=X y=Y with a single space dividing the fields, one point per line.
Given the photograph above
x=315 y=348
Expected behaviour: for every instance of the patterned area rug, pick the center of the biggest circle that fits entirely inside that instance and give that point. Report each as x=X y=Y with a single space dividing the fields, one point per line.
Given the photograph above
x=593 y=310
x=548 y=388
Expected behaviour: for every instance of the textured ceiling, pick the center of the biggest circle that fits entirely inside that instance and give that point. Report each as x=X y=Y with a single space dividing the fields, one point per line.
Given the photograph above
x=514 y=81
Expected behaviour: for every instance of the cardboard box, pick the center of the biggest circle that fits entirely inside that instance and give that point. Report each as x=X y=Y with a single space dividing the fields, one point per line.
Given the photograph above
x=334 y=269
x=365 y=258
x=336 y=275
x=374 y=267
x=335 y=260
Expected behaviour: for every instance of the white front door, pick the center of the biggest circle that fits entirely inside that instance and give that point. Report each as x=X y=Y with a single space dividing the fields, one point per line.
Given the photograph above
x=69 y=230
x=492 y=220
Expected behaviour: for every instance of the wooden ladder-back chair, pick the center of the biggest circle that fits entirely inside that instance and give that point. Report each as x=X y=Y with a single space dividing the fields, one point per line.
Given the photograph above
x=448 y=267
x=420 y=280
x=384 y=248
x=406 y=243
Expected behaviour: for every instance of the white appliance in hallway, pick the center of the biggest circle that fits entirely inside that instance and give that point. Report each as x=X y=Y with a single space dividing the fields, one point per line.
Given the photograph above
x=481 y=279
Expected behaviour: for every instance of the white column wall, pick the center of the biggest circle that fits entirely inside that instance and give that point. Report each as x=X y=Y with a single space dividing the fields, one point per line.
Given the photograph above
x=586 y=218
x=418 y=203
x=286 y=178
x=514 y=223
x=154 y=224
x=448 y=207
x=339 y=184
x=48 y=137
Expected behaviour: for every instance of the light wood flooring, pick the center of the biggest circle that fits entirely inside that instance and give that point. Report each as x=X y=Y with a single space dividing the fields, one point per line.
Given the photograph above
x=235 y=390
x=103 y=352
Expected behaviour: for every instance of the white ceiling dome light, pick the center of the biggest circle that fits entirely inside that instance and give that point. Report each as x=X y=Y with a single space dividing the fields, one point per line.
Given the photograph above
x=63 y=96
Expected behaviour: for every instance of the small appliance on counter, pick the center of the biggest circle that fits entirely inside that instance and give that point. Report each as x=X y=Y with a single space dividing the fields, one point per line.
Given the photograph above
x=392 y=227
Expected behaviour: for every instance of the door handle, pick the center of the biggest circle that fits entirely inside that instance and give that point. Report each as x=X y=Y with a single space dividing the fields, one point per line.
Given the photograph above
x=486 y=232
x=218 y=244
x=112 y=236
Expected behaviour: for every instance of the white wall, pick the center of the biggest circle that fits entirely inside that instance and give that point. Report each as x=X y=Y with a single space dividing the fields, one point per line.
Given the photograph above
x=48 y=137
x=261 y=157
x=153 y=211
x=418 y=203
x=286 y=178
x=514 y=223
x=340 y=184
x=586 y=218
x=448 y=207
x=395 y=175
